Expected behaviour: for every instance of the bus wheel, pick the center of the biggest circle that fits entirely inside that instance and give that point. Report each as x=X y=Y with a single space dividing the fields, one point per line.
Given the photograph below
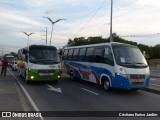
x=134 y=89
x=54 y=81
x=106 y=85
x=27 y=81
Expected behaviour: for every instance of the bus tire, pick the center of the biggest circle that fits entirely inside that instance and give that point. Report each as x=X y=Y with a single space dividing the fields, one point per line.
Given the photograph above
x=54 y=81
x=106 y=84
x=27 y=81
x=134 y=89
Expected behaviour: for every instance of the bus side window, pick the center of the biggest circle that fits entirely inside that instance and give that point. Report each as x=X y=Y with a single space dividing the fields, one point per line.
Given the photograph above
x=75 y=54
x=89 y=54
x=98 y=55
x=82 y=52
x=65 y=54
x=70 y=52
x=108 y=58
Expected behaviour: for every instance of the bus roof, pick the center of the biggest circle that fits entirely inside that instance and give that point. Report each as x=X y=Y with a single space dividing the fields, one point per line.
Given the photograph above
x=43 y=46
x=100 y=44
x=40 y=46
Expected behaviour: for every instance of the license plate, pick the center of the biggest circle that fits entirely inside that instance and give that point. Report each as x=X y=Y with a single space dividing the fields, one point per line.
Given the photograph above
x=46 y=74
x=139 y=80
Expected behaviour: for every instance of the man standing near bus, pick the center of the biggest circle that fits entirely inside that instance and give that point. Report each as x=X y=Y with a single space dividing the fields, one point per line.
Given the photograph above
x=4 y=66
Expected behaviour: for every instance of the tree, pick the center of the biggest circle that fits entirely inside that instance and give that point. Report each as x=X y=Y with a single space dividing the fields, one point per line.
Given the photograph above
x=83 y=41
x=156 y=51
x=14 y=54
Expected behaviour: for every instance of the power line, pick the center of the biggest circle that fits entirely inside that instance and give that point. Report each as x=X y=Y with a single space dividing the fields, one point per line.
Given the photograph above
x=103 y=14
x=145 y=35
x=135 y=10
x=98 y=17
x=91 y=17
x=129 y=4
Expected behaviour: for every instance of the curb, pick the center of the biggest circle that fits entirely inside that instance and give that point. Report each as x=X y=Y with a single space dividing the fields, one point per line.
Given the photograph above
x=155 y=76
x=151 y=90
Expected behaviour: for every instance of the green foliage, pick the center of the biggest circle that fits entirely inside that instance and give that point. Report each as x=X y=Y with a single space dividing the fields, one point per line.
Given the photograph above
x=156 y=51
x=14 y=54
x=83 y=41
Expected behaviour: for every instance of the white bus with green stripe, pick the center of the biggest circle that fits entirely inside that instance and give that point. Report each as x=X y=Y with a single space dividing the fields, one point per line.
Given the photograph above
x=42 y=63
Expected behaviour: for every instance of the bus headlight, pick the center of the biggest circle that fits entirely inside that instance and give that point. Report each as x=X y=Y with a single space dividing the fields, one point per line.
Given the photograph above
x=123 y=75
x=148 y=72
x=32 y=77
x=148 y=75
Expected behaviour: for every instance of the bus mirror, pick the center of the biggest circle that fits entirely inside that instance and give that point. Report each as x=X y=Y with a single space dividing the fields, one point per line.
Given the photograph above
x=108 y=51
x=25 y=51
x=23 y=56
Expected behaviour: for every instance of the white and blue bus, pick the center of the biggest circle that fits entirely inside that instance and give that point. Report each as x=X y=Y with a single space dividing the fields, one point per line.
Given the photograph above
x=112 y=65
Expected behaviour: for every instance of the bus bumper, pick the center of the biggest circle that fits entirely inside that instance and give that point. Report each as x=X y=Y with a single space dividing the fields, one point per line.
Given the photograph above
x=124 y=83
x=36 y=75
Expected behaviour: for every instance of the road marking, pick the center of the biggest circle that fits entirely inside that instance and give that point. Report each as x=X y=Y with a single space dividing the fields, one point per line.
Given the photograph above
x=54 y=89
x=154 y=84
x=27 y=95
x=90 y=91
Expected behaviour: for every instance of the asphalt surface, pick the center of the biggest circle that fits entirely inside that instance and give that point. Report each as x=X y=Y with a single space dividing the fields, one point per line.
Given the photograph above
x=67 y=95
x=154 y=86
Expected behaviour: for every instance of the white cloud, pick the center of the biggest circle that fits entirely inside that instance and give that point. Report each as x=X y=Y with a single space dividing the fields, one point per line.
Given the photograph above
x=17 y=18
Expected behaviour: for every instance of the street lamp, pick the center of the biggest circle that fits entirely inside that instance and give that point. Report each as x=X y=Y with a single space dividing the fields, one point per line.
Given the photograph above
x=52 y=25
x=111 y=37
x=28 y=36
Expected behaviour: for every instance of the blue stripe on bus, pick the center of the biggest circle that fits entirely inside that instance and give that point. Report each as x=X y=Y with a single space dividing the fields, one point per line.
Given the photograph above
x=96 y=71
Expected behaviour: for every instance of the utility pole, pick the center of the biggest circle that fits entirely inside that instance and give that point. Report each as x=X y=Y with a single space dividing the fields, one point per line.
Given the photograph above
x=111 y=37
x=46 y=34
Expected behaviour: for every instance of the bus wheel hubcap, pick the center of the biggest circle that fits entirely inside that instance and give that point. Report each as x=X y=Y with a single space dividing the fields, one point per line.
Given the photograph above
x=106 y=85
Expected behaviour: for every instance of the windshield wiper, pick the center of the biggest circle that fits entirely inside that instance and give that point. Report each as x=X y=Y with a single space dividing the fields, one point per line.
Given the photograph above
x=127 y=63
x=50 y=60
x=141 y=64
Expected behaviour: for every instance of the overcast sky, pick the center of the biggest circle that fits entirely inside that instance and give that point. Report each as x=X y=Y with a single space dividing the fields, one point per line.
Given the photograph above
x=134 y=20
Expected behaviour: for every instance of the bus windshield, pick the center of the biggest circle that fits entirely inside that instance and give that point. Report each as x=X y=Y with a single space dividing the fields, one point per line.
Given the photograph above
x=129 y=56
x=43 y=55
x=10 y=59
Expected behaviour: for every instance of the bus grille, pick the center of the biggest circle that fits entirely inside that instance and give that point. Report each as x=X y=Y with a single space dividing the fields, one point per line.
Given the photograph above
x=137 y=76
x=137 y=80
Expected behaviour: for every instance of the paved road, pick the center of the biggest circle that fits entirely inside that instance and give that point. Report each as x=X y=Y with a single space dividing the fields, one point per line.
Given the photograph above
x=155 y=81
x=12 y=97
x=155 y=73
x=70 y=95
